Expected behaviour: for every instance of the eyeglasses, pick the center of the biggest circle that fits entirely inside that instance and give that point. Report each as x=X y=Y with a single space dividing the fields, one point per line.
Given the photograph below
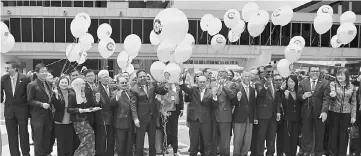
x=277 y=79
x=269 y=71
x=123 y=83
x=314 y=71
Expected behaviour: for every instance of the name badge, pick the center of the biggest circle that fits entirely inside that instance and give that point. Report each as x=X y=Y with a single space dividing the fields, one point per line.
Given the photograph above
x=173 y=98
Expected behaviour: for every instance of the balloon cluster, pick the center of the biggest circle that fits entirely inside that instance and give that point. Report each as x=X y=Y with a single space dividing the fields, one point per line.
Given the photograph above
x=132 y=45
x=347 y=31
x=106 y=45
x=213 y=26
x=7 y=40
x=79 y=29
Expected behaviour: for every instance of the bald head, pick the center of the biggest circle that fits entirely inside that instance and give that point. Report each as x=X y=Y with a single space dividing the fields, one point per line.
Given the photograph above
x=202 y=78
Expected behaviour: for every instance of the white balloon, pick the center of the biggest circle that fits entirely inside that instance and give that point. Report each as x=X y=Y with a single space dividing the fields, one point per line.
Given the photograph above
x=157 y=71
x=231 y=18
x=104 y=31
x=232 y=37
x=264 y=16
x=205 y=21
x=182 y=53
x=4 y=32
x=106 y=47
x=78 y=28
x=255 y=26
x=130 y=69
x=73 y=52
x=335 y=42
x=346 y=33
x=189 y=39
x=123 y=60
x=153 y=38
x=322 y=23
x=348 y=17
x=82 y=57
x=283 y=67
x=86 y=17
x=172 y=72
x=218 y=42
x=165 y=51
x=239 y=28
x=215 y=26
x=86 y=42
x=171 y=24
x=249 y=10
x=292 y=54
x=298 y=42
x=325 y=9
x=282 y=16
x=8 y=43
x=132 y=44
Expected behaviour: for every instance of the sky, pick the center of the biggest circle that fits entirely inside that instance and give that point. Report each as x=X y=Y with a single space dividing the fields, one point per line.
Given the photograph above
x=268 y=5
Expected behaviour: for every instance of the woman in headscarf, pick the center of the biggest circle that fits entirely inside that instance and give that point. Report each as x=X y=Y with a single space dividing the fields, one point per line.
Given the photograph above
x=78 y=109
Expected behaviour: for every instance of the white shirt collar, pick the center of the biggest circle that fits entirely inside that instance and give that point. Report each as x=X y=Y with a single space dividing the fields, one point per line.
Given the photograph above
x=246 y=86
x=15 y=75
x=313 y=80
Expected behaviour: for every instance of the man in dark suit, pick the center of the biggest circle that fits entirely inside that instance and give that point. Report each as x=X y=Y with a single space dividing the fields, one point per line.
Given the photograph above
x=244 y=115
x=199 y=115
x=13 y=87
x=39 y=96
x=90 y=90
x=268 y=113
x=315 y=94
x=104 y=134
x=143 y=99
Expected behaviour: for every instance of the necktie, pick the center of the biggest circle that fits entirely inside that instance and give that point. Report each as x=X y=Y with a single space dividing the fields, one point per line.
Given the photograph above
x=46 y=89
x=201 y=91
x=313 y=85
x=145 y=89
x=247 y=91
x=107 y=90
x=126 y=93
x=272 y=90
x=13 y=82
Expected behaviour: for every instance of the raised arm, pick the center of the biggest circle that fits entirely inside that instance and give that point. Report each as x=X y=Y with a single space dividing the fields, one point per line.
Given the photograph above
x=133 y=104
x=230 y=89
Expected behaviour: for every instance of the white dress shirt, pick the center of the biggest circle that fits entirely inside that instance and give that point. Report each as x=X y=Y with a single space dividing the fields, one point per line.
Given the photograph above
x=202 y=93
x=13 y=82
x=311 y=82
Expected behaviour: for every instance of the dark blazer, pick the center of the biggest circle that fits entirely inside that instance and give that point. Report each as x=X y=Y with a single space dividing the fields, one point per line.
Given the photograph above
x=291 y=107
x=123 y=111
x=73 y=109
x=197 y=109
x=104 y=116
x=90 y=97
x=267 y=105
x=36 y=96
x=147 y=107
x=15 y=105
x=319 y=100
x=245 y=108
x=223 y=106
x=59 y=105
x=180 y=106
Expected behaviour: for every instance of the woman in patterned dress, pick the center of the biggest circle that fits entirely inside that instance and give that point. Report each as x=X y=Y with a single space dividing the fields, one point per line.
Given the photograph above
x=78 y=108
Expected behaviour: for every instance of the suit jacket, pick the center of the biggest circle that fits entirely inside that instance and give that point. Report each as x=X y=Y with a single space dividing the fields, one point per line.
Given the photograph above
x=199 y=109
x=36 y=96
x=15 y=105
x=122 y=111
x=59 y=106
x=223 y=106
x=319 y=101
x=90 y=97
x=267 y=105
x=74 y=108
x=104 y=116
x=245 y=108
x=291 y=107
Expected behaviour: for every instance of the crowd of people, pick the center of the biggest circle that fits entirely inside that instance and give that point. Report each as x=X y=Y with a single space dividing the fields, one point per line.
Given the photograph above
x=88 y=115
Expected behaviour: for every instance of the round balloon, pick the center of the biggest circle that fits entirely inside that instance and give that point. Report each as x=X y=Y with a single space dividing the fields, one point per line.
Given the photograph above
x=249 y=10
x=283 y=68
x=214 y=27
x=4 y=32
x=255 y=26
x=86 y=42
x=218 y=42
x=106 y=47
x=231 y=18
x=348 y=17
x=82 y=58
x=164 y=51
x=292 y=54
x=172 y=73
x=205 y=21
x=298 y=42
x=239 y=28
x=264 y=16
x=182 y=53
x=189 y=39
x=130 y=68
x=322 y=23
x=232 y=37
x=153 y=38
x=171 y=24
x=123 y=60
x=86 y=17
x=132 y=44
x=8 y=43
x=335 y=42
x=157 y=71
x=346 y=33
x=78 y=28
x=73 y=52
x=325 y=9
x=104 y=31
x=282 y=16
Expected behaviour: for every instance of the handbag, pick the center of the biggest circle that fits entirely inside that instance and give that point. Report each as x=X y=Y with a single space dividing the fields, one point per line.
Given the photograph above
x=353 y=131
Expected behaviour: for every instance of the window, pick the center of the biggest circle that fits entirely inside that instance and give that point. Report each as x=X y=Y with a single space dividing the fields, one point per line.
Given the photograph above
x=33 y=3
x=91 y=64
x=60 y=30
x=265 y=36
x=137 y=4
x=78 y=3
x=69 y=36
x=37 y=29
x=89 y=4
x=26 y=30
x=255 y=40
x=286 y=35
x=137 y=28
x=46 y=3
x=306 y=33
x=224 y=31
x=48 y=30
x=354 y=42
x=9 y=3
x=325 y=39
x=147 y=28
x=244 y=40
x=193 y=29
x=202 y=35
x=19 y=3
x=315 y=38
x=276 y=35
x=66 y=4
x=26 y=3
x=115 y=24
x=56 y=3
x=296 y=29
x=15 y=28
x=101 y=4
x=126 y=28
x=93 y=29
x=39 y=3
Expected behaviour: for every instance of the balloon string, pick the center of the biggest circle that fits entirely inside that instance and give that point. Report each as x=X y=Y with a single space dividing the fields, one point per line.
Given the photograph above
x=280 y=39
x=269 y=38
x=62 y=70
x=54 y=62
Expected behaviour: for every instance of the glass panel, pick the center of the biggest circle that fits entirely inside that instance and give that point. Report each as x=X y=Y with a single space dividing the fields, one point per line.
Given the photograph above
x=11 y=3
x=244 y=40
x=89 y=4
x=202 y=36
x=315 y=38
x=286 y=34
x=224 y=31
x=15 y=28
x=19 y=3
x=325 y=39
x=354 y=42
x=110 y=65
x=26 y=3
x=37 y=30
x=66 y=3
x=69 y=37
x=7 y=23
x=255 y=40
x=115 y=24
x=101 y=4
x=39 y=3
x=137 y=4
x=126 y=28
x=26 y=30
x=5 y=3
x=46 y=3
x=91 y=64
x=296 y=29
x=33 y=3
x=137 y=28
x=78 y=3
x=147 y=28
x=265 y=36
x=56 y=3
x=193 y=28
x=60 y=30
x=275 y=36
x=93 y=29
x=48 y=30
x=306 y=33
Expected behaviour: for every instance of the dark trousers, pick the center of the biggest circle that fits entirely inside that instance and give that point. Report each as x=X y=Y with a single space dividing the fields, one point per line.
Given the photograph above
x=52 y=138
x=280 y=137
x=291 y=133
x=150 y=128
x=64 y=134
x=124 y=141
x=222 y=131
x=18 y=127
x=42 y=134
x=172 y=131
x=200 y=129
x=326 y=149
x=313 y=127
x=338 y=134
x=254 y=140
x=104 y=140
x=267 y=129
